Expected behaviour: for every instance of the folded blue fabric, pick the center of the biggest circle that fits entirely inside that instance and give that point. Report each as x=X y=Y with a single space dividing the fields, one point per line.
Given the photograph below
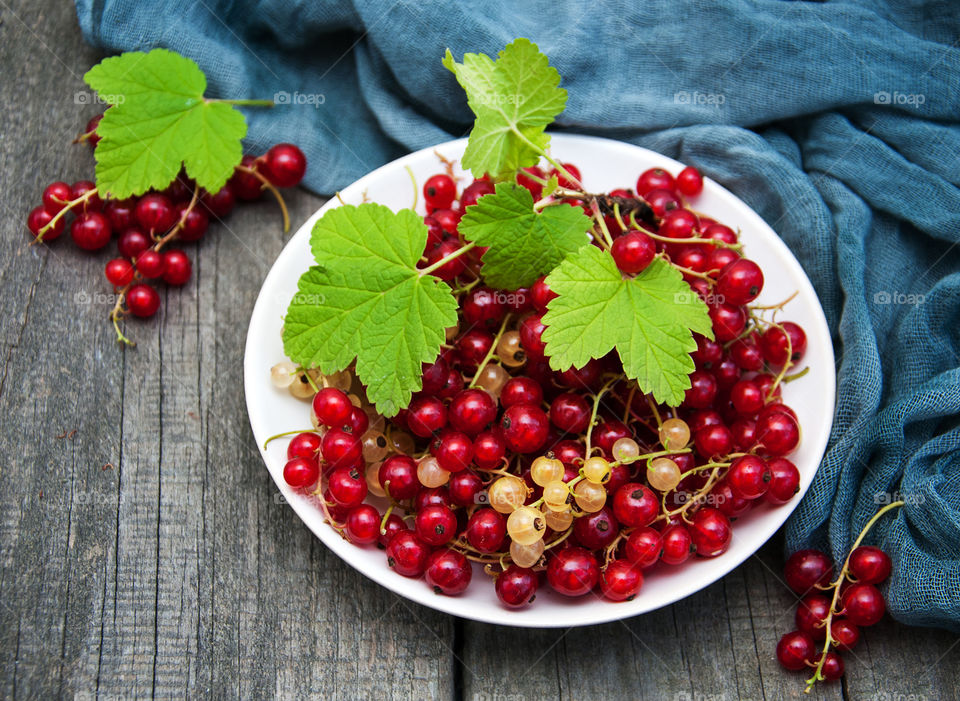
x=836 y=121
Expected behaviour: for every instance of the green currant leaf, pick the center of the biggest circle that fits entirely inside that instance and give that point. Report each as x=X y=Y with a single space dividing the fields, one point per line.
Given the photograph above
x=367 y=300
x=160 y=121
x=649 y=319
x=514 y=99
x=524 y=244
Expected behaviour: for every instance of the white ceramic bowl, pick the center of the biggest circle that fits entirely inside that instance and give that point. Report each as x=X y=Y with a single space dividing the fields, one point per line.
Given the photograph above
x=604 y=165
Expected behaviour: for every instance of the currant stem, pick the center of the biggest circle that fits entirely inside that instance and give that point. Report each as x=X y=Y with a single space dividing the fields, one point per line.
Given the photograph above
x=63 y=212
x=596 y=405
x=286 y=433
x=557 y=166
x=266 y=185
x=844 y=573
x=651 y=456
x=413 y=179
x=695 y=239
x=446 y=259
x=490 y=353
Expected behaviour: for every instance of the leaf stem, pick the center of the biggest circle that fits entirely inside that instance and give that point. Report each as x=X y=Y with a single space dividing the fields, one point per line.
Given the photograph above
x=446 y=259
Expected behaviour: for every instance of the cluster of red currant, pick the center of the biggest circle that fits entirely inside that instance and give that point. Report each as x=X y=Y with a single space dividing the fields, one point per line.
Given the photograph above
x=502 y=461
x=840 y=606
x=145 y=225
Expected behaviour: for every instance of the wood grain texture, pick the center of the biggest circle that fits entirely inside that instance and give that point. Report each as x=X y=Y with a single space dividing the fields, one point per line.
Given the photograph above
x=178 y=571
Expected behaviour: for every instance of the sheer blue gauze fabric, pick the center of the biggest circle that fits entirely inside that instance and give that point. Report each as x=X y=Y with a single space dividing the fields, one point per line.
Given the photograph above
x=836 y=121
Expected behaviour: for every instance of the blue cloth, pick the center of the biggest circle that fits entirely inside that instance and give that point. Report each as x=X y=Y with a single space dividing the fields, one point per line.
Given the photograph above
x=836 y=121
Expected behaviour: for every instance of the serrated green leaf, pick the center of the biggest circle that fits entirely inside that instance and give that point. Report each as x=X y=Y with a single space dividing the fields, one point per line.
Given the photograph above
x=159 y=121
x=649 y=319
x=524 y=244
x=514 y=99
x=366 y=300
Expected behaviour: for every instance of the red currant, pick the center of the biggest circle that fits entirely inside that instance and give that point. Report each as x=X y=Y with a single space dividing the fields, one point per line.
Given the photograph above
x=348 y=487
x=301 y=473
x=486 y=530
x=119 y=272
x=621 y=580
x=784 y=482
x=643 y=546
x=635 y=506
x=525 y=428
x=573 y=571
x=516 y=586
x=795 y=650
x=143 y=300
x=863 y=604
x=436 y=525
x=398 y=475
x=654 y=179
x=425 y=416
x=341 y=449
x=150 y=264
x=869 y=565
x=448 y=572
x=176 y=267
x=332 y=407
x=806 y=569
x=90 y=231
x=284 y=165
x=710 y=532
x=363 y=525
x=633 y=252
x=407 y=554
x=439 y=191
x=689 y=181
x=155 y=213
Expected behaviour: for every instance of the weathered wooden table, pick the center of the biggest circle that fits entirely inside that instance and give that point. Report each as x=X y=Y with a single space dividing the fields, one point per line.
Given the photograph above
x=144 y=551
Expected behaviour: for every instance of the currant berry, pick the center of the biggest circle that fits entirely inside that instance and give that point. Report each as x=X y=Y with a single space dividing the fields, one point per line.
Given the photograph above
x=844 y=633
x=93 y=203
x=677 y=544
x=465 y=488
x=525 y=525
x=654 y=179
x=795 y=650
x=728 y=321
x=363 y=525
x=132 y=243
x=332 y=407
x=246 y=186
x=534 y=186
x=525 y=428
x=176 y=267
x=713 y=441
x=407 y=554
x=806 y=569
x=486 y=530
x=747 y=398
x=284 y=165
x=150 y=264
x=39 y=218
x=784 y=482
x=439 y=191
x=773 y=344
x=425 y=416
x=678 y=224
x=541 y=294
x=193 y=222
x=832 y=668
x=507 y=493
x=869 y=565
x=301 y=473
x=220 y=203
x=436 y=525
x=471 y=411
x=633 y=252
x=155 y=213
x=749 y=477
x=119 y=272
x=863 y=604
x=341 y=449
x=596 y=530
x=304 y=445
x=448 y=572
x=573 y=571
x=516 y=586
x=690 y=182
x=489 y=448
x=710 y=531
x=55 y=197
x=482 y=306
x=621 y=580
x=449 y=270
x=811 y=615
x=740 y=282
x=454 y=451
x=702 y=390
x=662 y=201
x=531 y=332
x=90 y=231
x=347 y=486
x=570 y=413
x=643 y=547
x=778 y=432
x=143 y=300
x=474 y=191
x=521 y=390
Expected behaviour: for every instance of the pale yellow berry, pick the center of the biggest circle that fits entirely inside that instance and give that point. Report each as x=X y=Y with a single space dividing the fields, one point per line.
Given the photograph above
x=375 y=446
x=301 y=387
x=283 y=374
x=341 y=380
x=525 y=525
x=590 y=496
x=545 y=470
x=507 y=493
x=431 y=474
x=510 y=351
x=558 y=521
x=555 y=495
x=373 y=480
x=663 y=474
x=402 y=442
x=492 y=378
x=625 y=449
x=526 y=555
x=674 y=434
x=596 y=470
